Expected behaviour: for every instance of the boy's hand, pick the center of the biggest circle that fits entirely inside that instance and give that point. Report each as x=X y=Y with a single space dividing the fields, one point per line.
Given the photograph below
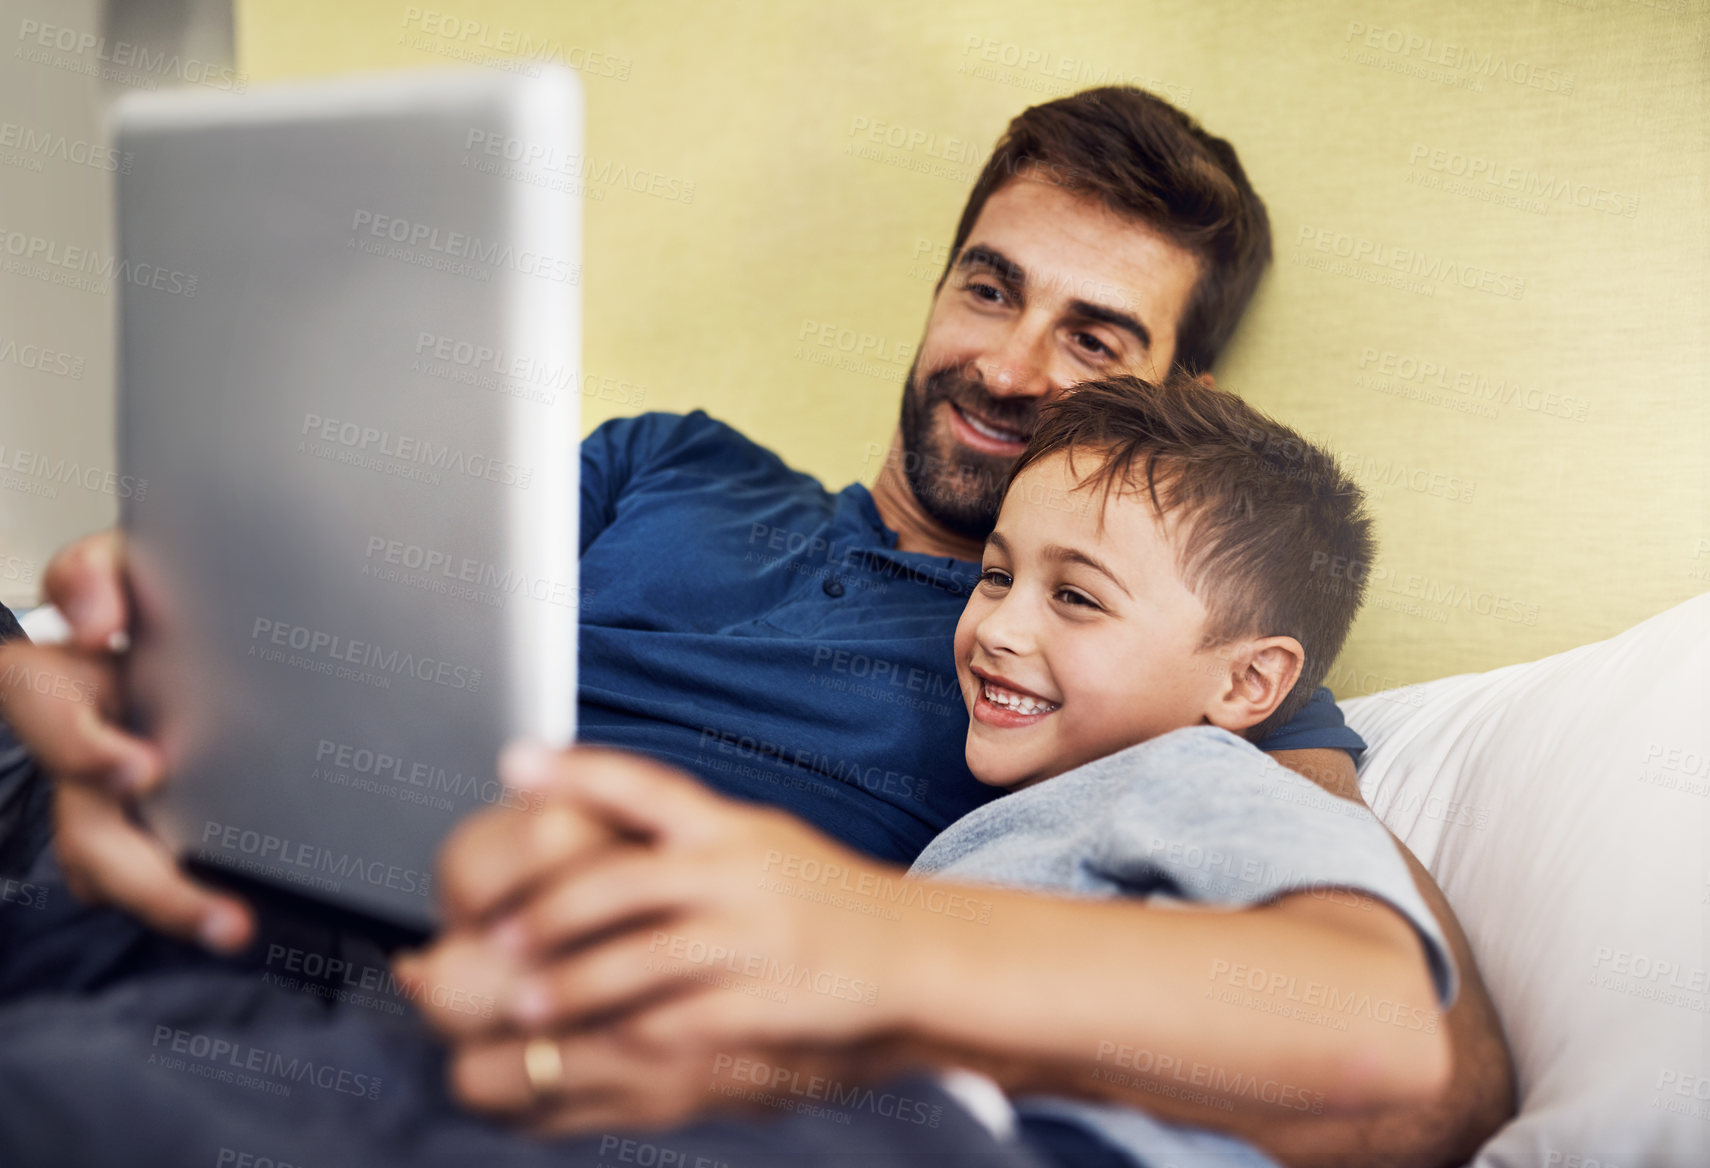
x=63 y=702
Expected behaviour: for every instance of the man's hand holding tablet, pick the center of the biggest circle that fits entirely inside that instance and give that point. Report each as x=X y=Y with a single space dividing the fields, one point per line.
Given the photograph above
x=634 y=936
x=100 y=770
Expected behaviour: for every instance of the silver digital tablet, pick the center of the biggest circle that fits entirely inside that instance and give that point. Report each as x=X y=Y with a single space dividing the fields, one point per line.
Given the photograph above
x=350 y=339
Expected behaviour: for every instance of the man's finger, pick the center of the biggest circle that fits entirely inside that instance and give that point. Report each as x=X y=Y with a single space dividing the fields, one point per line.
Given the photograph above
x=724 y=1020
x=85 y=581
x=629 y=883
x=492 y=1078
x=458 y=984
x=494 y=857
x=632 y=793
x=618 y=973
x=596 y=1074
x=108 y=858
x=55 y=700
x=613 y=1086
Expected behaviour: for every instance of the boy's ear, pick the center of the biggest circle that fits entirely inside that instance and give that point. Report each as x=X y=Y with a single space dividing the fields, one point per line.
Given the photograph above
x=1261 y=672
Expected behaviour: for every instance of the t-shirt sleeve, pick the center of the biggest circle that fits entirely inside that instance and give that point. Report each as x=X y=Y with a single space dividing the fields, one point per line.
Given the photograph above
x=613 y=455
x=1318 y=725
x=25 y=822
x=10 y=629
x=1202 y=815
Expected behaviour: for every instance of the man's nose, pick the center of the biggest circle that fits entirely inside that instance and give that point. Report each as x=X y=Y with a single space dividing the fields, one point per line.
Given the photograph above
x=1016 y=365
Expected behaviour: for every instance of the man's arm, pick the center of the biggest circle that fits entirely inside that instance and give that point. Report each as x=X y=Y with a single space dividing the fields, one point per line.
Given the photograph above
x=1481 y=1093
x=1427 y=1133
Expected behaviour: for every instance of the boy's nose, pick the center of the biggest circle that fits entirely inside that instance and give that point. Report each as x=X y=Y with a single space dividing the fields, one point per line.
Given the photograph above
x=1005 y=630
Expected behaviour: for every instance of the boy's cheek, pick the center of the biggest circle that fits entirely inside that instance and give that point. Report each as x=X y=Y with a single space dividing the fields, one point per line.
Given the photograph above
x=962 y=644
x=963 y=679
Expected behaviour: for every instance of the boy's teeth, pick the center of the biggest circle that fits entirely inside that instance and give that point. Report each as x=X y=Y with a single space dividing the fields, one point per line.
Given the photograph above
x=1020 y=703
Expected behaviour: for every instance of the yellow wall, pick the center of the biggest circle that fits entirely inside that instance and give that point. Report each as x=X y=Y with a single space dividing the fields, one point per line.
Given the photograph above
x=1574 y=499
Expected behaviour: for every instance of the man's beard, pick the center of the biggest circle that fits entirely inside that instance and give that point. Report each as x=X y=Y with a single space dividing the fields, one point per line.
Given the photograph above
x=959 y=488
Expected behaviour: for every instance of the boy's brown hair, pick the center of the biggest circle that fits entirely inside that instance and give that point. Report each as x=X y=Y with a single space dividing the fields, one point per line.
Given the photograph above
x=1272 y=535
x=1142 y=157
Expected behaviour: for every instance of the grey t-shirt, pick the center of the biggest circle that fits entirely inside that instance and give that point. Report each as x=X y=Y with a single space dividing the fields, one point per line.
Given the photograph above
x=1197 y=815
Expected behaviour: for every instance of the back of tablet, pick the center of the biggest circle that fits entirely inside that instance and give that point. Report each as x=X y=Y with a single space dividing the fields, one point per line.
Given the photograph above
x=350 y=339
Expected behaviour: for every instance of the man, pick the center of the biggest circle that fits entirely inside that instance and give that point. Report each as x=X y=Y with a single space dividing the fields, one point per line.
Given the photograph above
x=1107 y=235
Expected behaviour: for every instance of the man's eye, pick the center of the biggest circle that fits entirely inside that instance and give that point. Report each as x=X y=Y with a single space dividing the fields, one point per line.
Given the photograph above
x=990 y=293
x=995 y=578
x=1092 y=345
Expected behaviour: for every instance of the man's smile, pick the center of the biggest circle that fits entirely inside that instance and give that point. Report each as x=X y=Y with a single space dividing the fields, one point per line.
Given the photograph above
x=984 y=435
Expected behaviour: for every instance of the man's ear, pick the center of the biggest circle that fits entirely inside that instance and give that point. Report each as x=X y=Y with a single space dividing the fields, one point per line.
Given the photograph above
x=1205 y=379
x=1260 y=674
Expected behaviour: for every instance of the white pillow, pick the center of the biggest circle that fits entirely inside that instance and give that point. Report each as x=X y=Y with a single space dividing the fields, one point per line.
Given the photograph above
x=1564 y=807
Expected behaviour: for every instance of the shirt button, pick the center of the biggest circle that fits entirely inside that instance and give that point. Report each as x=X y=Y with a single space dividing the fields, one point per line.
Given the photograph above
x=833 y=587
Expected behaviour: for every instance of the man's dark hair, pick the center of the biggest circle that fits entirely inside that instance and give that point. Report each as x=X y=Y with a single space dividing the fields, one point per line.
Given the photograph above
x=1271 y=534
x=1143 y=157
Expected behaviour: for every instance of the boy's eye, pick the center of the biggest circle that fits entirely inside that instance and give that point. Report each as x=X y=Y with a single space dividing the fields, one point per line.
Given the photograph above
x=995 y=578
x=1070 y=596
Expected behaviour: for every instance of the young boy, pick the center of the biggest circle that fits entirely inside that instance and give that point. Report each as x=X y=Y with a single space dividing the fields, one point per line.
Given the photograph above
x=1155 y=597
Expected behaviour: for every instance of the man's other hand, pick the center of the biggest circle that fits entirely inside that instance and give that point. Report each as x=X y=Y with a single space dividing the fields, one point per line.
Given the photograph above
x=63 y=701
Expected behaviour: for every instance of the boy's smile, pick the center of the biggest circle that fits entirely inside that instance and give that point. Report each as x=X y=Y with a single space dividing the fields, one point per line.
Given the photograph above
x=1003 y=703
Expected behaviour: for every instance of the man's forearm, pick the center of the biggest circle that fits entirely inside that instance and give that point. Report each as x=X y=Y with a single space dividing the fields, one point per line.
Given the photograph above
x=1443 y=1131
x=1158 y=1007
x=1480 y=1097
x=1481 y=1094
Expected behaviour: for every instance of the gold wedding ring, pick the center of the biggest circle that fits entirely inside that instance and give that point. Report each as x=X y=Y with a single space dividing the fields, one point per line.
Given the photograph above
x=544 y=1063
